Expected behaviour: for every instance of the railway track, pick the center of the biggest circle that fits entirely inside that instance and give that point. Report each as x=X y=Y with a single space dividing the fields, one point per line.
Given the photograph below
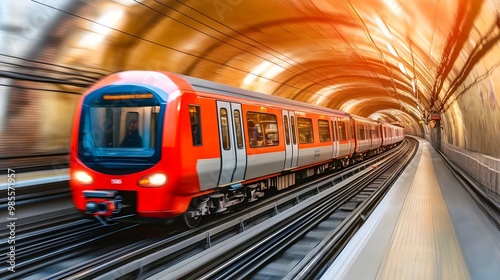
x=50 y=245
x=43 y=193
x=143 y=259
x=290 y=247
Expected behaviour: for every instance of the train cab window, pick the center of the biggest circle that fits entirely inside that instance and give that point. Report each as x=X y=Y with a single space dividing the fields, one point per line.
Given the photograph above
x=239 y=131
x=324 y=131
x=294 y=135
x=119 y=130
x=132 y=137
x=305 y=128
x=342 y=131
x=226 y=143
x=262 y=129
x=194 y=116
x=287 y=129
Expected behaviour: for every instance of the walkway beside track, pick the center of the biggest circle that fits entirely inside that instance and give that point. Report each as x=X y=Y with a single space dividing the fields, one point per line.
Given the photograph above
x=27 y=179
x=427 y=227
x=27 y=183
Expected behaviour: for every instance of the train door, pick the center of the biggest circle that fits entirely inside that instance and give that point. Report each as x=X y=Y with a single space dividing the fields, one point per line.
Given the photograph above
x=352 y=136
x=335 y=151
x=233 y=154
x=369 y=136
x=239 y=136
x=290 y=145
x=293 y=138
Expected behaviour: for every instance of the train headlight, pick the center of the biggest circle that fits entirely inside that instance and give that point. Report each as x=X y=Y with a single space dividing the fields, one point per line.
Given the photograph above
x=83 y=177
x=153 y=180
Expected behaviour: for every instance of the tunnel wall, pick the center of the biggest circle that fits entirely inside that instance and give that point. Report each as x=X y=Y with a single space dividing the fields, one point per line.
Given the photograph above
x=471 y=117
x=484 y=169
x=37 y=123
x=471 y=123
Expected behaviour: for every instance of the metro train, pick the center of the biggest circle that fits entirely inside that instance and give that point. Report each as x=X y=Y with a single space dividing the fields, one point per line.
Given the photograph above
x=152 y=144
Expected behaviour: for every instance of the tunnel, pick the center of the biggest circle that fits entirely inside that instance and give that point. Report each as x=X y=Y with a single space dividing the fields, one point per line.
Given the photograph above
x=427 y=67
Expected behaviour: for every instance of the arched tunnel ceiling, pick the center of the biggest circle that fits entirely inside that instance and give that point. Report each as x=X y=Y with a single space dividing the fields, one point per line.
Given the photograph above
x=390 y=59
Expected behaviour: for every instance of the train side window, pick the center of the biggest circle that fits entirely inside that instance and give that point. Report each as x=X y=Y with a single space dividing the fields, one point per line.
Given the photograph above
x=294 y=135
x=342 y=131
x=226 y=144
x=262 y=129
x=194 y=117
x=361 y=132
x=324 y=131
x=305 y=127
x=287 y=130
x=239 y=132
x=271 y=131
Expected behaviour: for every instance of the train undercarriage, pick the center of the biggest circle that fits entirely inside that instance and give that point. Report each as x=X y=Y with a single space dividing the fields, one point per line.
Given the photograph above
x=235 y=197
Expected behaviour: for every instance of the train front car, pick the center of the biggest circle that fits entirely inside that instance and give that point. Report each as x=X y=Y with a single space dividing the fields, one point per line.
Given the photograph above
x=123 y=131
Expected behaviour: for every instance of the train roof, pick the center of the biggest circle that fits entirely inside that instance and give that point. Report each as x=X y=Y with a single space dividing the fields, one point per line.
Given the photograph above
x=358 y=118
x=213 y=87
x=155 y=78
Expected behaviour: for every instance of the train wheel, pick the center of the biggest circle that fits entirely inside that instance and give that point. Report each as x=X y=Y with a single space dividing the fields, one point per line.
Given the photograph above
x=191 y=222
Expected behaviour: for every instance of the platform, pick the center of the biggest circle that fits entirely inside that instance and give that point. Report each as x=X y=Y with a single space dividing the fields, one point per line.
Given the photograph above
x=36 y=178
x=427 y=227
x=38 y=181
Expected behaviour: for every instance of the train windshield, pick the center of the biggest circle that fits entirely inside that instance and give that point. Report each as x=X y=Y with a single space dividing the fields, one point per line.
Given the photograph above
x=120 y=129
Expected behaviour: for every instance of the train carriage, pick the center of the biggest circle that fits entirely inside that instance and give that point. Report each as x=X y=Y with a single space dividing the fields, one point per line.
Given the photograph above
x=160 y=145
x=391 y=134
x=367 y=135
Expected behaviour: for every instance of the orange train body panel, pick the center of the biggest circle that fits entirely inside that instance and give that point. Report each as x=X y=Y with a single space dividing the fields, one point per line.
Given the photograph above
x=186 y=146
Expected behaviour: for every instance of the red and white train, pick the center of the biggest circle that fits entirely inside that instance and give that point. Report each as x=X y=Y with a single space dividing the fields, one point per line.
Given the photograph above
x=161 y=145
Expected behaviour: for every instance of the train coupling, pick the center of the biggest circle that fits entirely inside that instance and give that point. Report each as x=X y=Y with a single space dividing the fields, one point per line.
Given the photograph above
x=102 y=204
